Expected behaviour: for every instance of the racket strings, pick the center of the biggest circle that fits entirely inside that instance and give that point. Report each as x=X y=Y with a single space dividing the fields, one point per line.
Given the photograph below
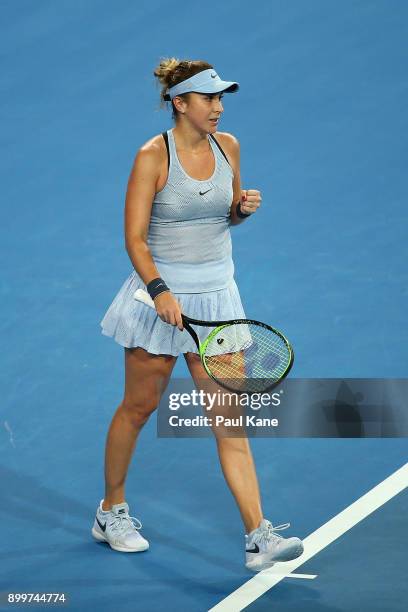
x=247 y=356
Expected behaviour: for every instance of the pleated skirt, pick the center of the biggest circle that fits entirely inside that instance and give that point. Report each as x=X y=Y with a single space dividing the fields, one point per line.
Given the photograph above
x=133 y=324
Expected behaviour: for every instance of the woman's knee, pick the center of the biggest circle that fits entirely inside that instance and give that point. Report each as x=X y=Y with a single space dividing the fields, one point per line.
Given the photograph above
x=139 y=411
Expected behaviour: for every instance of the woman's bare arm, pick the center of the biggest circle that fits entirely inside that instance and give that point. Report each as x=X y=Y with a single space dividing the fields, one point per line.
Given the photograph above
x=139 y=199
x=232 y=147
x=138 y=206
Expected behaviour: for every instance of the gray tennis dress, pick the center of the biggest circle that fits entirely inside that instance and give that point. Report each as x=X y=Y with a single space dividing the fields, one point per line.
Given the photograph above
x=190 y=242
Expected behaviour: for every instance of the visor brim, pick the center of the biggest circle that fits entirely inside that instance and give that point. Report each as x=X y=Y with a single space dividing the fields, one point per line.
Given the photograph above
x=210 y=88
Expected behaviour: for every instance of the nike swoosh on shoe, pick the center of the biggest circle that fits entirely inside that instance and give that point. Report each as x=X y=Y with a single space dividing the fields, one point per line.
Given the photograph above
x=253 y=550
x=103 y=527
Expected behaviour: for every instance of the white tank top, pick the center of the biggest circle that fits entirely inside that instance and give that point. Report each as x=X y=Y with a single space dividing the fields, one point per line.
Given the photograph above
x=189 y=235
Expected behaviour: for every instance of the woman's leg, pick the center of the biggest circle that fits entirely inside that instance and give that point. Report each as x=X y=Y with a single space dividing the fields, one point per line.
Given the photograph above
x=235 y=456
x=146 y=377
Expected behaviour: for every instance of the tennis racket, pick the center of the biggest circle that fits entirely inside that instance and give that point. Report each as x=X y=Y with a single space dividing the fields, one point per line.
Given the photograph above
x=242 y=355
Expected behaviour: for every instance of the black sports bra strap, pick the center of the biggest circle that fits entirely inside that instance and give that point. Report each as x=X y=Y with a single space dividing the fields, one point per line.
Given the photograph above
x=166 y=140
x=219 y=146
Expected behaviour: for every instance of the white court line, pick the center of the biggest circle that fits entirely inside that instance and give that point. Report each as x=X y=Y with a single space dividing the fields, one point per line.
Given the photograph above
x=304 y=576
x=316 y=541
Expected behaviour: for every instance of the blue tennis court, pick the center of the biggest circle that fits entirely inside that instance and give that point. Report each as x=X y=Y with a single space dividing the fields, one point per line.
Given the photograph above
x=322 y=123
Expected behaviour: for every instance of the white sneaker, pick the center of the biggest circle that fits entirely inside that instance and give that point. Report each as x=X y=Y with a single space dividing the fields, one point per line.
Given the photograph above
x=264 y=547
x=116 y=527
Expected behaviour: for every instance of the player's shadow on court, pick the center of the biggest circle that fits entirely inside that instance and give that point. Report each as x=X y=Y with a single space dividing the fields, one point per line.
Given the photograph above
x=349 y=415
x=340 y=418
x=332 y=408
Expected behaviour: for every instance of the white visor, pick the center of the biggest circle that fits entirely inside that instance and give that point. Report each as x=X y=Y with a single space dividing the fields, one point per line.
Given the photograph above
x=206 y=81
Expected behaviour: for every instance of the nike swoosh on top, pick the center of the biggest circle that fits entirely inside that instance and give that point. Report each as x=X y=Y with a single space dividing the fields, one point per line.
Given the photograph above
x=103 y=527
x=253 y=550
x=203 y=192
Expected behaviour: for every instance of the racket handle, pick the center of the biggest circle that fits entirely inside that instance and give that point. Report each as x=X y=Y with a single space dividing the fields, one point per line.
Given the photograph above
x=143 y=296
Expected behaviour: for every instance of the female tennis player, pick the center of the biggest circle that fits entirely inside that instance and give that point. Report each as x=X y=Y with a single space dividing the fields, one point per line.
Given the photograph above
x=184 y=193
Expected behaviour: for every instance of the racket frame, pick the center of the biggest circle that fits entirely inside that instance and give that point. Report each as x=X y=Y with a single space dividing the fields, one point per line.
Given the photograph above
x=144 y=297
x=220 y=325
